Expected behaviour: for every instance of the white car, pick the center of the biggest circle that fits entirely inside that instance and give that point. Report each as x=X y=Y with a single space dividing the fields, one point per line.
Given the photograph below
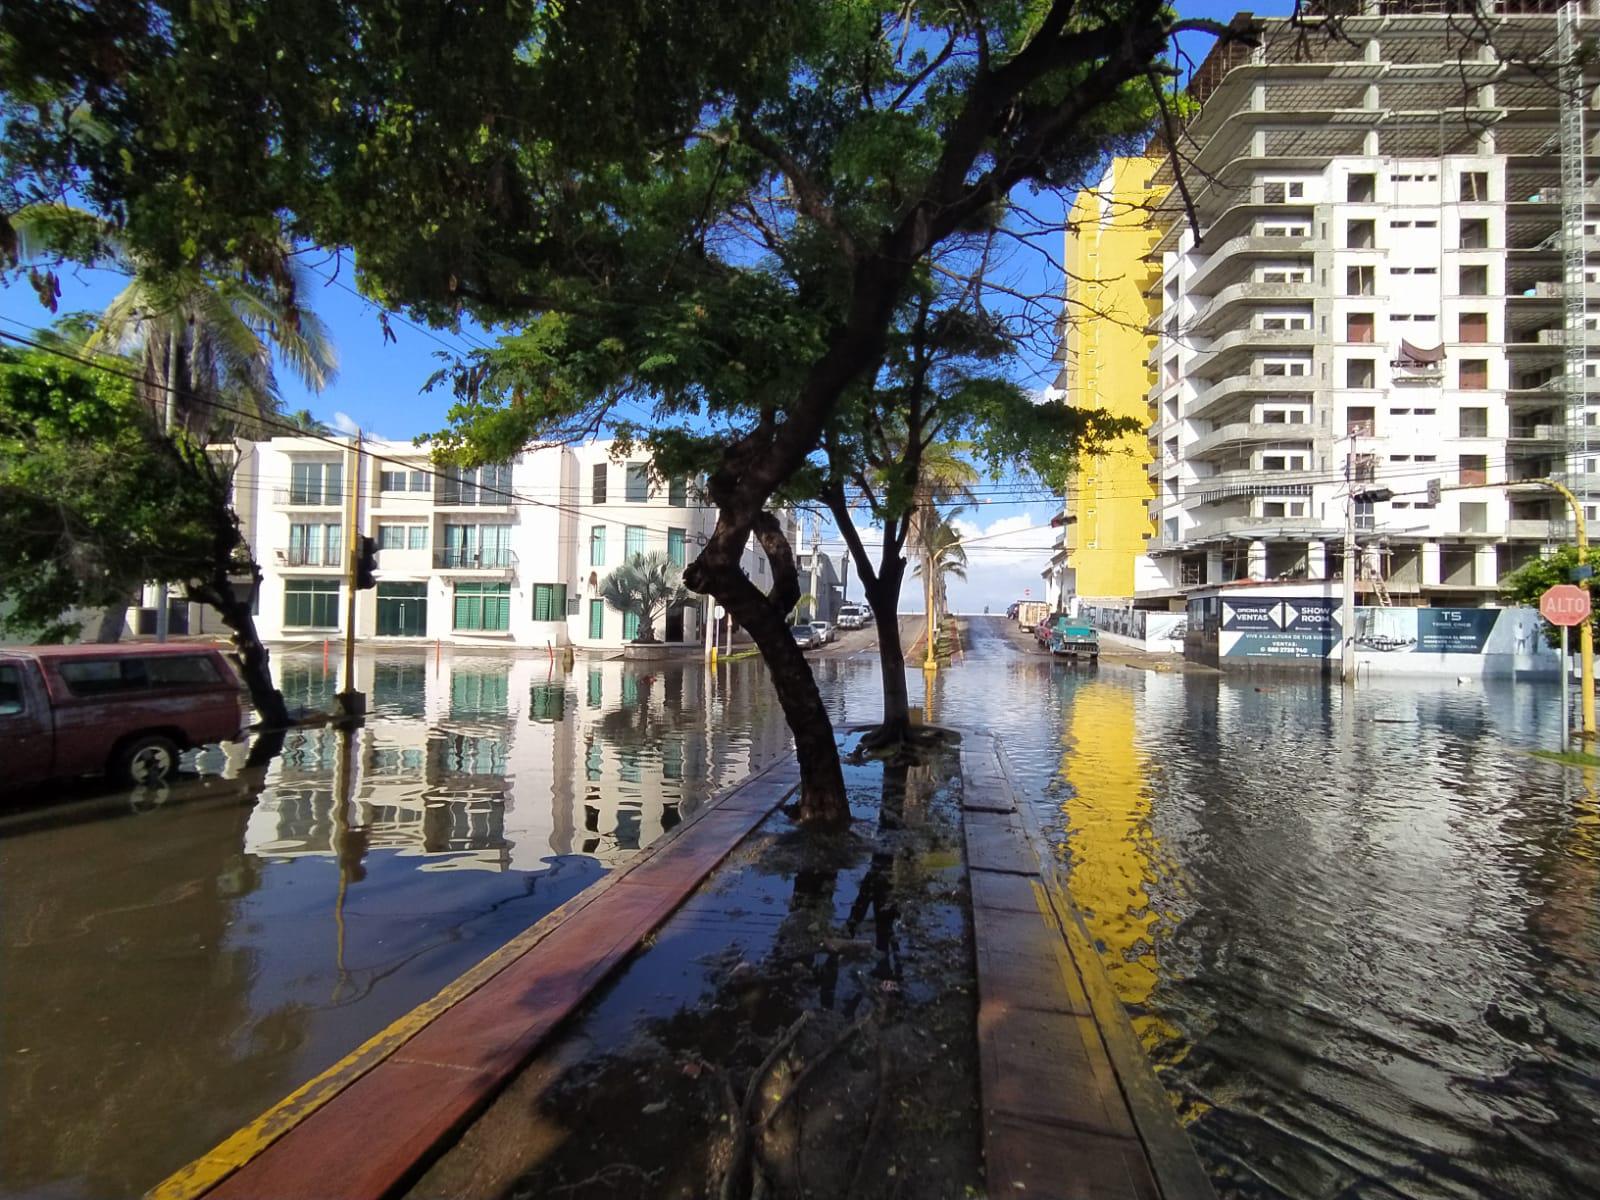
x=852 y=616
x=824 y=632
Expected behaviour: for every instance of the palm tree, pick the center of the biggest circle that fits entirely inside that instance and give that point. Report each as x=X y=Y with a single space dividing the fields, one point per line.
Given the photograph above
x=204 y=336
x=940 y=543
x=302 y=420
x=647 y=585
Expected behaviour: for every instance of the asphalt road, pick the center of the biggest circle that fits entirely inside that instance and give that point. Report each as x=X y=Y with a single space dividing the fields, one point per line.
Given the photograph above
x=863 y=643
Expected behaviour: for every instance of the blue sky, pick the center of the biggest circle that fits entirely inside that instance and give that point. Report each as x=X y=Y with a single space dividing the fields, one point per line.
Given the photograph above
x=379 y=383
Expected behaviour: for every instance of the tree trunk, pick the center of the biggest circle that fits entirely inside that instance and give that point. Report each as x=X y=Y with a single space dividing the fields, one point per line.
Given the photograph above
x=255 y=666
x=884 y=595
x=823 y=803
x=114 y=620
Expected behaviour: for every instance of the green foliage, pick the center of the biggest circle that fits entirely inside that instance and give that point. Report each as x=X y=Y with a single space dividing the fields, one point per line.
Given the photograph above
x=92 y=503
x=1528 y=582
x=647 y=585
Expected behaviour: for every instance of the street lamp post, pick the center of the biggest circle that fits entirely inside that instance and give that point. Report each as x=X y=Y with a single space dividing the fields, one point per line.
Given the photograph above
x=930 y=564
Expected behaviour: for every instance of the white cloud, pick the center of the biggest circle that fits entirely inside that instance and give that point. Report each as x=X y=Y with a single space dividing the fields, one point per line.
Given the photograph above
x=345 y=424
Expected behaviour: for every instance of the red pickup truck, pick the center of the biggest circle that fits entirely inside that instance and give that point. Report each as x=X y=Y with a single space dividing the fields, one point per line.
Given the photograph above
x=126 y=710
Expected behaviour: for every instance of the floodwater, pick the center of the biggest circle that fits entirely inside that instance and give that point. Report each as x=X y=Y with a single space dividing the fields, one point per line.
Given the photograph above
x=1360 y=940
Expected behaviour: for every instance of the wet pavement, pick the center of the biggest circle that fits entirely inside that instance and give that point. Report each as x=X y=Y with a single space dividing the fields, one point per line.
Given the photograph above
x=1360 y=939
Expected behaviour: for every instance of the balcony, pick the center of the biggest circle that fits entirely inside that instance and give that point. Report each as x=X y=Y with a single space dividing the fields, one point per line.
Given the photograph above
x=456 y=558
x=1256 y=527
x=1248 y=387
x=1537 y=433
x=1233 y=485
x=1542 y=527
x=1298 y=436
x=321 y=557
x=1236 y=255
x=1232 y=300
x=308 y=497
x=1233 y=350
x=476 y=499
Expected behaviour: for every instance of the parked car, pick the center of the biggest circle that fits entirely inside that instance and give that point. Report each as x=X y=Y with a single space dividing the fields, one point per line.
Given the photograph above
x=126 y=711
x=1011 y=610
x=1041 y=632
x=1078 y=642
x=852 y=616
x=824 y=632
x=804 y=636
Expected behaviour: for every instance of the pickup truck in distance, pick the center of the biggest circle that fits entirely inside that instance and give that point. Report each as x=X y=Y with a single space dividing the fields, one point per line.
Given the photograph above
x=128 y=711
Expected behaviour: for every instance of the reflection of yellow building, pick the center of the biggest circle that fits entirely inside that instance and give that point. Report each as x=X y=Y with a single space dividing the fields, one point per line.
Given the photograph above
x=1105 y=349
x=1108 y=836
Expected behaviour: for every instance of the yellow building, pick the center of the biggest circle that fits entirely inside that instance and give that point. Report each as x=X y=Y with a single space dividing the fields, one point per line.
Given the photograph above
x=1107 y=336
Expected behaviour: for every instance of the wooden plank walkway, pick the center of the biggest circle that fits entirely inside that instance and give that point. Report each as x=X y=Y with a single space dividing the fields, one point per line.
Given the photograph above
x=1071 y=1108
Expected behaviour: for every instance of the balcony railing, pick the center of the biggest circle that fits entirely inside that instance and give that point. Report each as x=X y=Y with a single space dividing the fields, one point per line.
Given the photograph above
x=308 y=497
x=455 y=558
x=309 y=556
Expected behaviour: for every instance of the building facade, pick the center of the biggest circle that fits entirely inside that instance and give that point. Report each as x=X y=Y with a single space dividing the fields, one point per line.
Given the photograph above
x=1376 y=299
x=1108 y=323
x=507 y=554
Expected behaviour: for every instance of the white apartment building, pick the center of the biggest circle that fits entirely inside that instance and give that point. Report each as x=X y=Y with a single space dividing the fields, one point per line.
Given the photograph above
x=1377 y=290
x=507 y=555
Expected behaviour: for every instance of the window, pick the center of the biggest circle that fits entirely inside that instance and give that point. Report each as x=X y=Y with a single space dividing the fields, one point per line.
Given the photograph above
x=630 y=626
x=678 y=547
x=597 y=628
x=314 y=545
x=1361 y=373
x=1474 y=185
x=311 y=603
x=483 y=607
x=1360 y=281
x=1474 y=422
x=597 y=546
x=1361 y=189
x=678 y=492
x=315 y=483
x=1282 y=367
x=10 y=691
x=1271 y=508
x=476 y=547
x=1360 y=420
x=1360 y=235
x=1427 y=224
x=1291 y=322
x=403 y=610
x=1296 y=191
x=1474 y=469
x=637 y=483
x=420 y=481
x=1473 y=374
x=416 y=537
x=549 y=602
x=1473 y=280
x=633 y=539
x=393 y=537
x=488 y=484
x=392 y=481
x=1474 y=516
x=1474 y=327
x=1359 y=327
x=1283 y=462
x=1474 y=233
x=597 y=488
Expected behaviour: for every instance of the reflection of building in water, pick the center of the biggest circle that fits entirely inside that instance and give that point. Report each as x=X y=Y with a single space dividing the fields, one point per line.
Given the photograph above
x=1110 y=841
x=499 y=763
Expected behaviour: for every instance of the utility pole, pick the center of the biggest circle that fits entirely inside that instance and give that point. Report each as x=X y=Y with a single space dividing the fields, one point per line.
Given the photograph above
x=351 y=702
x=1347 y=606
x=170 y=416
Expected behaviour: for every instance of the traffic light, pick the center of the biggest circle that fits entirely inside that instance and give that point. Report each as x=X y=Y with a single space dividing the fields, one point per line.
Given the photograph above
x=1373 y=496
x=1435 y=491
x=366 y=564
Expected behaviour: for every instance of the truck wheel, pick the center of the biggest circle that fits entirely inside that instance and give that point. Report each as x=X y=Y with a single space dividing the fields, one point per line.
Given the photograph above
x=145 y=761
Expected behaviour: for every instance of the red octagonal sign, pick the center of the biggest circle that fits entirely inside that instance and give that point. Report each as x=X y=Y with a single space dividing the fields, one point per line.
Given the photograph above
x=1565 y=604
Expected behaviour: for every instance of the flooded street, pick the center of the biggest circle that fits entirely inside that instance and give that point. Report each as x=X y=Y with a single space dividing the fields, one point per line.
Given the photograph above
x=1360 y=940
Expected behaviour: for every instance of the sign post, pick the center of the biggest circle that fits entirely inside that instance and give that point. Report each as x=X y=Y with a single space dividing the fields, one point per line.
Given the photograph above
x=1565 y=605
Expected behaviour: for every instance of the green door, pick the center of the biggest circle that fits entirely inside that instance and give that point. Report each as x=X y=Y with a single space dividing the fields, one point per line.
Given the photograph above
x=402 y=610
x=597 y=618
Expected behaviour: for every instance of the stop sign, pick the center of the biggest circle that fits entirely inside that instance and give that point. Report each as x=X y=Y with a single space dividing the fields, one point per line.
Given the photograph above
x=1565 y=604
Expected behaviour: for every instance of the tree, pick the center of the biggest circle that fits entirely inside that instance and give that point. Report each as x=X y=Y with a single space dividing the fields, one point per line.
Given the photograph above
x=93 y=501
x=722 y=227
x=1533 y=579
x=942 y=556
x=905 y=444
x=302 y=419
x=647 y=585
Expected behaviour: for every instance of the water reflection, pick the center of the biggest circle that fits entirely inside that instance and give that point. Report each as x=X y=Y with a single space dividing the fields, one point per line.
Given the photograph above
x=175 y=966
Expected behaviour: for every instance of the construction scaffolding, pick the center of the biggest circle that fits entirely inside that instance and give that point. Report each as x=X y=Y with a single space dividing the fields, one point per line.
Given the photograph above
x=1583 y=437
